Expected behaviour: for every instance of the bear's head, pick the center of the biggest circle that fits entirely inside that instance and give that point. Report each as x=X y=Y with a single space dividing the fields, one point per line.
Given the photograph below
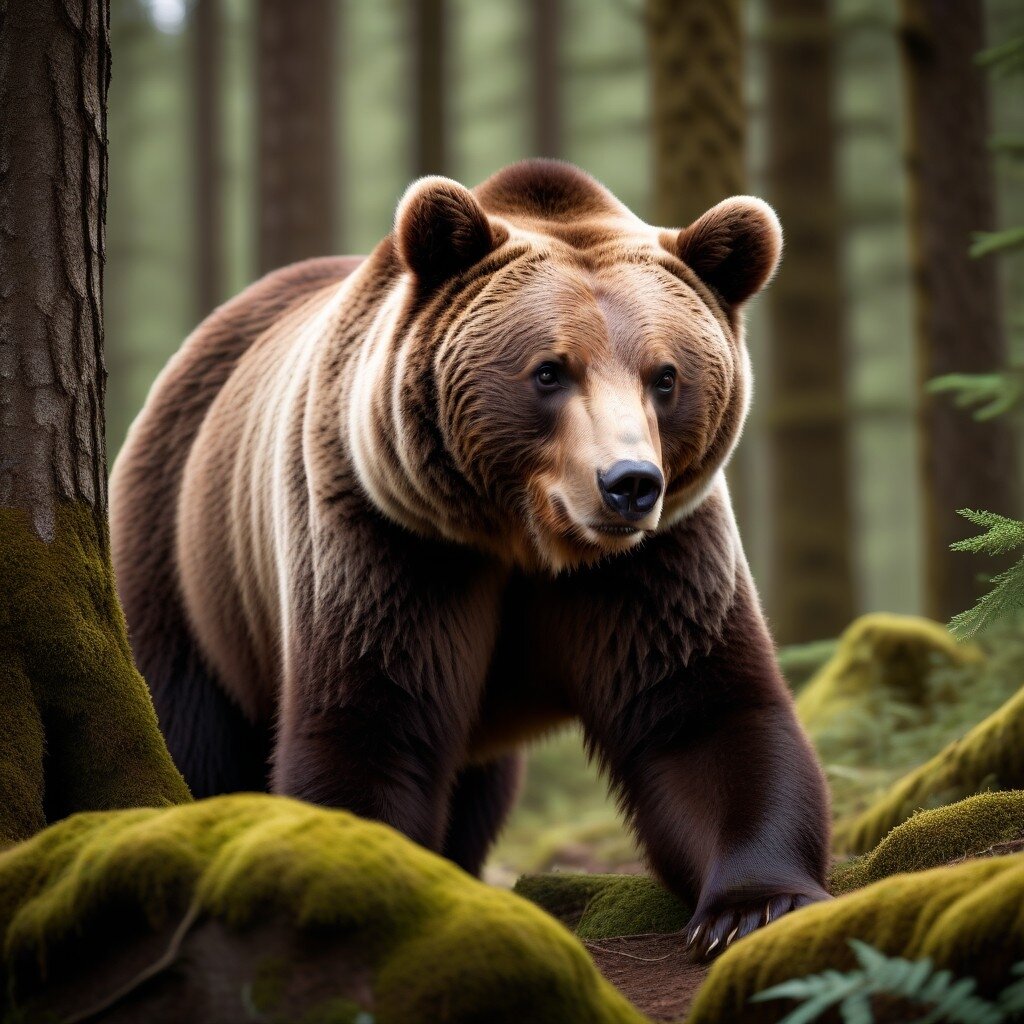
x=551 y=378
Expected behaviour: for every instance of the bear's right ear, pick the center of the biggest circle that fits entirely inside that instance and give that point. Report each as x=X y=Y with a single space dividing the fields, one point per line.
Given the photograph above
x=735 y=247
x=441 y=230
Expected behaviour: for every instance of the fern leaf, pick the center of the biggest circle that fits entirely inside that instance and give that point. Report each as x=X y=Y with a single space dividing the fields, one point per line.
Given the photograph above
x=1001 y=533
x=985 y=242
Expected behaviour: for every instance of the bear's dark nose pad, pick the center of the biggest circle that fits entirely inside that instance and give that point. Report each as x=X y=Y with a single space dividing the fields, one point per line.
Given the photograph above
x=631 y=489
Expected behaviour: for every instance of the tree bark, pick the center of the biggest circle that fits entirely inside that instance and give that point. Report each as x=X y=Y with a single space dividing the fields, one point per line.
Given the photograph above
x=206 y=67
x=295 y=158
x=77 y=728
x=546 y=25
x=812 y=582
x=698 y=118
x=430 y=155
x=964 y=463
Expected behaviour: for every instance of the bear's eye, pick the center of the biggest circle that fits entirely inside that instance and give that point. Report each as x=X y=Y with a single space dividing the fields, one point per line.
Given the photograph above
x=549 y=377
x=666 y=381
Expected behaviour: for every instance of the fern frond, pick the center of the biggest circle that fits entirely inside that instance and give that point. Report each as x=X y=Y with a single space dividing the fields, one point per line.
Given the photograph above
x=1001 y=535
x=1006 y=595
x=946 y=999
x=989 y=394
x=985 y=242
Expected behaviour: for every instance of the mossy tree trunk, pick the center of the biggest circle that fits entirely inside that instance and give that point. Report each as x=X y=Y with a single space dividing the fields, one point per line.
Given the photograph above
x=295 y=130
x=430 y=127
x=812 y=581
x=206 y=79
x=698 y=120
x=964 y=463
x=77 y=727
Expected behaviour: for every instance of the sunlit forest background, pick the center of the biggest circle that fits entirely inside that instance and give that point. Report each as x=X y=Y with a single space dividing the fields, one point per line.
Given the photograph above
x=241 y=139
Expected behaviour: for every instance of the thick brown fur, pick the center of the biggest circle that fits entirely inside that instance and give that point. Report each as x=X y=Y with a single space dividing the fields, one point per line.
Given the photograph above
x=359 y=530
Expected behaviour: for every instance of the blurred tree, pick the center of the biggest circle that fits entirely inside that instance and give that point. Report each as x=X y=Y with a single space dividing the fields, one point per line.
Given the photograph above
x=295 y=129
x=964 y=463
x=546 y=25
x=78 y=729
x=698 y=121
x=696 y=52
x=208 y=130
x=430 y=155
x=812 y=581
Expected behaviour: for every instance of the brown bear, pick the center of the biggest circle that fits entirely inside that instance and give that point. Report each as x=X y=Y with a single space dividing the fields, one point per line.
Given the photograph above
x=382 y=520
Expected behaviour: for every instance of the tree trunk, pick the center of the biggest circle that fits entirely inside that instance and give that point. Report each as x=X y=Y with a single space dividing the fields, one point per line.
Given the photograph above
x=696 y=50
x=698 y=120
x=964 y=463
x=77 y=729
x=295 y=159
x=430 y=155
x=545 y=25
x=812 y=591
x=206 y=78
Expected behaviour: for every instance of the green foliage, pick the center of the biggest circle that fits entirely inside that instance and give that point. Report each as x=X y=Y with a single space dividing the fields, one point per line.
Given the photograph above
x=913 y=981
x=1001 y=536
x=989 y=757
x=1005 y=59
x=988 y=394
x=985 y=242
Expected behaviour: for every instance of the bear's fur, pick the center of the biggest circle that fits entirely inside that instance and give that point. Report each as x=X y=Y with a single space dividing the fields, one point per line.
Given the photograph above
x=364 y=531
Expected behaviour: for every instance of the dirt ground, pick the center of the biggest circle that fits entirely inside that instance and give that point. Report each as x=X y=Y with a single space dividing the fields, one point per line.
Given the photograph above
x=652 y=971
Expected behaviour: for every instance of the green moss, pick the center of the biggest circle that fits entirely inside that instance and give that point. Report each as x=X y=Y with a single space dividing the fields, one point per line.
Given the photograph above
x=970 y=828
x=565 y=895
x=968 y=918
x=68 y=684
x=599 y=906
x=881 y=660
x=633 y=905
x=989 y=757
x=430 y=936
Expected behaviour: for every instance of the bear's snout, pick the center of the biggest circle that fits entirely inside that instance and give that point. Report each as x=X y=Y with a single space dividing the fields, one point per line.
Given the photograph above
x=631 y=489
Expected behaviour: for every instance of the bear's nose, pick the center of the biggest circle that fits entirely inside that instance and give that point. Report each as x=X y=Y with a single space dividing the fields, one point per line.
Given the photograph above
x=631 y=488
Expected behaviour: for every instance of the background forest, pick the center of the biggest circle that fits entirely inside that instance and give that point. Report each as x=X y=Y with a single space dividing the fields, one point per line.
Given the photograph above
x=242 y=138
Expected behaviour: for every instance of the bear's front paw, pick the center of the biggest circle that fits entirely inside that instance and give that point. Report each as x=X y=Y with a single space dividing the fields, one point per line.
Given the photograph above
x=713 y=930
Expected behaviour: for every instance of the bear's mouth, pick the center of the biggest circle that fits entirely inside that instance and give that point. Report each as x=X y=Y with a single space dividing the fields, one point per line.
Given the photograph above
x=614 y=531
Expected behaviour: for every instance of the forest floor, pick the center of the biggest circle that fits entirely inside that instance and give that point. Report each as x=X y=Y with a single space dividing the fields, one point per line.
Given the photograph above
x=654 y=972
x=660 y=978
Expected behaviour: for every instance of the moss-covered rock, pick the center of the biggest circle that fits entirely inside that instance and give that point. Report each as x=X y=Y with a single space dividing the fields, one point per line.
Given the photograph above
x=968 y=918
x=78 y=730
x=252 y=906
x=973 y=827
x=599 y=906
x=989 y=757
x=881 y=661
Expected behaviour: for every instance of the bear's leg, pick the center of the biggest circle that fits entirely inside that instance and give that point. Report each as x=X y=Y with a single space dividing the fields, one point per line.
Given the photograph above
x=483 y=796
x=212 y=742
x=379 y=755
x=722 y=786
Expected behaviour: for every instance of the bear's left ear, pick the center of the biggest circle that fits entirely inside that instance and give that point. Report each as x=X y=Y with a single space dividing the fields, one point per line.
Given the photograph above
x=441 y=230
x=734 y=247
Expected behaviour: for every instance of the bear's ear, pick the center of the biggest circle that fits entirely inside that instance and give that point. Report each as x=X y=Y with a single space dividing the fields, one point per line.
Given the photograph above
x=440 y=230
x=734 y=247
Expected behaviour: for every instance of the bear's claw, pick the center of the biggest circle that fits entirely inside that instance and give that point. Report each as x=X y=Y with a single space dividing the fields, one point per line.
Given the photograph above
x=713 y=931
